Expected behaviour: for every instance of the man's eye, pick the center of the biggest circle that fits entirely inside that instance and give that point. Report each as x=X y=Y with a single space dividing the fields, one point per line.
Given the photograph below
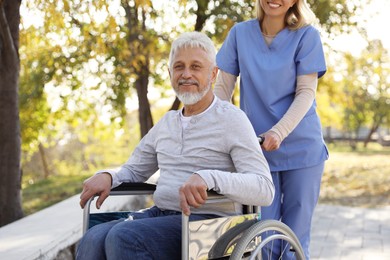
x=196 y=67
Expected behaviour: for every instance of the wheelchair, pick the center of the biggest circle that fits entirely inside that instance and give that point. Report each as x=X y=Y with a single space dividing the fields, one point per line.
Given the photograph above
x=236 y=237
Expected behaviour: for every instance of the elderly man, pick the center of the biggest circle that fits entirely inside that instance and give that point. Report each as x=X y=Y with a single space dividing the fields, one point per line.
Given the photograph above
x=207 y=145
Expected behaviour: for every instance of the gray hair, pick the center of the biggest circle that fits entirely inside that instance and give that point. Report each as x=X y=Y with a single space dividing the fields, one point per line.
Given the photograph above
x=193 y=40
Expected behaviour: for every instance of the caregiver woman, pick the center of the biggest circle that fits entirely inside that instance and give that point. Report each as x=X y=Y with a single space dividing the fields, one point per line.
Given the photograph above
x=279 y=58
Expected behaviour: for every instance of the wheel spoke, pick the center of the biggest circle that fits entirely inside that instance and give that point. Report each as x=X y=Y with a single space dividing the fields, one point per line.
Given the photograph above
x=268 y=239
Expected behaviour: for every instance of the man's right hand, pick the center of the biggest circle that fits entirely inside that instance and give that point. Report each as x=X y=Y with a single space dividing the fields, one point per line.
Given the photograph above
x=97 y=185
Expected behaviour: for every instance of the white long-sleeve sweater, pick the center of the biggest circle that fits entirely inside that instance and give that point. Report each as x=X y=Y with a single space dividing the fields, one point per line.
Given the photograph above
x=220 y=145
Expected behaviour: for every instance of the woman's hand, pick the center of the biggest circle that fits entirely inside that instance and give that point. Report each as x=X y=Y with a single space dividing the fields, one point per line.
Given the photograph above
x=271 y=141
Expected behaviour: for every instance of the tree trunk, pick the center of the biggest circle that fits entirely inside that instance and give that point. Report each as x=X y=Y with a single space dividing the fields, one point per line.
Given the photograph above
x=328 y=137
x=45 y=165
x=176 y=104
x=201 y=15
x=137 y=27
x=144 y=113
x=10 y=169
x=373 y=129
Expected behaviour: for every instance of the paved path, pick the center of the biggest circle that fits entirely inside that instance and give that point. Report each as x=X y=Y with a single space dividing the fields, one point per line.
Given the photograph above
x=350 y=233
x=338 y=233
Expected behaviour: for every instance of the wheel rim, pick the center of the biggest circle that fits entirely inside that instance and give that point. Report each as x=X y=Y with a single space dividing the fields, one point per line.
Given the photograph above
x=263 y=235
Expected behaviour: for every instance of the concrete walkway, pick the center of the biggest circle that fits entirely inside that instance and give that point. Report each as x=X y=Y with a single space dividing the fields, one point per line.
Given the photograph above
x=337 y=233
x=350 y=233
x=45 y=233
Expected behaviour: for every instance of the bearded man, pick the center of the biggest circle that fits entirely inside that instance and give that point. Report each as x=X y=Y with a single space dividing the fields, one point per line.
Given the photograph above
x=207 y=145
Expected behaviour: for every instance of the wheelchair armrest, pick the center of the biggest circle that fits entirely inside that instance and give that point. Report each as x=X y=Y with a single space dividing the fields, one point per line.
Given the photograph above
x=128 y=188
x=214 y=197
x=123 y=189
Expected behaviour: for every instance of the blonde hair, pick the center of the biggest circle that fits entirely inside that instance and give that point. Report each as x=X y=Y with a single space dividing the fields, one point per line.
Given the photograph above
x=298 y=16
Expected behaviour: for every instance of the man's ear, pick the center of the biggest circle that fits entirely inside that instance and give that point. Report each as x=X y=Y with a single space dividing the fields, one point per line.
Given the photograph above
x=214 y=74
x=169 y=72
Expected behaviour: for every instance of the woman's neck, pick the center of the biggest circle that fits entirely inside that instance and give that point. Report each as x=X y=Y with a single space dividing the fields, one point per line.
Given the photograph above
x=271 y=26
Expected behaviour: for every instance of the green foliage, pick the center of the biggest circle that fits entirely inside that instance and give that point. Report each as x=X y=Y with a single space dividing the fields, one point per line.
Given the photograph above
x=94 y=52
x=363 y=89
x=329 y=98
x=336 y=16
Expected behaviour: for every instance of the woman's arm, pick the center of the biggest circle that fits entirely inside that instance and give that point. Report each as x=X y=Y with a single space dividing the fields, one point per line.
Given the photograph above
x=224 y=85
x=304 y=98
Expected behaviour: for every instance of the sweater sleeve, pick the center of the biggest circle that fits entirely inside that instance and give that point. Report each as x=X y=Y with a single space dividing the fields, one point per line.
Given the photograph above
x=251 y=182
x=304 y=97
x=224 y=85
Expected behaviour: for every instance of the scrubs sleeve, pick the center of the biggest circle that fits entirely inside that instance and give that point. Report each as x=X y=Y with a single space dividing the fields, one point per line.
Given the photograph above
x=310 y=56
x=227 y=57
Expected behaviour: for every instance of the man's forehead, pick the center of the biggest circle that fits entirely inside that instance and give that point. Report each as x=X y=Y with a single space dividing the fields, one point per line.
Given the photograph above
x=193 y=54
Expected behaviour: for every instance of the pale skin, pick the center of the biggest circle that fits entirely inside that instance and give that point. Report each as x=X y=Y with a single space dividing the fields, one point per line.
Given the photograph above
x=190 y=65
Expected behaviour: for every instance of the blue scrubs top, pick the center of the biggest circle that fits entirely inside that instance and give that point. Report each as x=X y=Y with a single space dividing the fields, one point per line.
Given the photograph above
x=267 y=86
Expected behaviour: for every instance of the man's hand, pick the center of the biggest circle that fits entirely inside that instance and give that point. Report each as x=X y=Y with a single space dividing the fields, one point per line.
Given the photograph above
x=271 y=141
x=99 y=185
x=192 y=193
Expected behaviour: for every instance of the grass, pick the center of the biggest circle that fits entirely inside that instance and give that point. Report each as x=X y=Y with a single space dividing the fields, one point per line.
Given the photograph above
x=54 y=189
x=358 y=178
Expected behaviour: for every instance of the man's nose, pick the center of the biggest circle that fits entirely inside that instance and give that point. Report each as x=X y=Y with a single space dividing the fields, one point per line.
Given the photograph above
x=186 y=73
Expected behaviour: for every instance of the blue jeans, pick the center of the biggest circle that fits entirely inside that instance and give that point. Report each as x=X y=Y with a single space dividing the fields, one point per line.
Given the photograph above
x=296 y=195
x=152 y=234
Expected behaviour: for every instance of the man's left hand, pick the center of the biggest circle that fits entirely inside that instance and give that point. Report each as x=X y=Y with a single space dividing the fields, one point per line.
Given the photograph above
x=192 y=193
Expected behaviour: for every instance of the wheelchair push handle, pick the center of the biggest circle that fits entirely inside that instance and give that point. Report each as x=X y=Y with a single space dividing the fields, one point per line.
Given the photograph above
x=261 y=139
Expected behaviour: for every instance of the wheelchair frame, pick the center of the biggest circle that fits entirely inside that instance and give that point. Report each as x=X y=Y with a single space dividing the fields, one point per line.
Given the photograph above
x=242 y=239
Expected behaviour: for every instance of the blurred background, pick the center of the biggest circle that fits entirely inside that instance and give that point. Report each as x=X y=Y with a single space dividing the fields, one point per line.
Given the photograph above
x=94 y=79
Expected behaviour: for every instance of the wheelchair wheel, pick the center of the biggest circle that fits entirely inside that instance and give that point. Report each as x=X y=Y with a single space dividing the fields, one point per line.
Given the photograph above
x=268 y=239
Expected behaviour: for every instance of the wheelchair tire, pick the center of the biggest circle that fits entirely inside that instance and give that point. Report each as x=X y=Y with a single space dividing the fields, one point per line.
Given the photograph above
x=262 y=236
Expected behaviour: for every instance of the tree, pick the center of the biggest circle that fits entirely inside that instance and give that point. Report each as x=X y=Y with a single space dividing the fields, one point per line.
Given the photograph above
x=10 y=170
x=376 y=73
x=139 y=43
x=364 y=85
x=119 y=52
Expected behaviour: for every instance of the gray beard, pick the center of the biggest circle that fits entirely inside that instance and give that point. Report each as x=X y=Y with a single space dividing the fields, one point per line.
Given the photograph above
x=188 y=98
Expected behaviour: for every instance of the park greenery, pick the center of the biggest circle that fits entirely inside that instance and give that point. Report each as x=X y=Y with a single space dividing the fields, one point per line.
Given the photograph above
x=94 y=80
